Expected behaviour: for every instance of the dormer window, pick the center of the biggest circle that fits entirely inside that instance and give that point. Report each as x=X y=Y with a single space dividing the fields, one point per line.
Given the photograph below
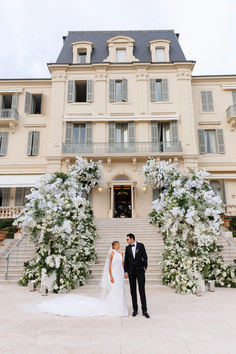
x=120 y=49
x=82 y=55
x=120 y=55
x=160 y=50
x=160 y=54
x=82 y=51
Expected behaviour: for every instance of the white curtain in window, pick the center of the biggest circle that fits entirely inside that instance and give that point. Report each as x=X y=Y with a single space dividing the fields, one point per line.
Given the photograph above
x=210 y=141
x=121 y=55
x=160 y=54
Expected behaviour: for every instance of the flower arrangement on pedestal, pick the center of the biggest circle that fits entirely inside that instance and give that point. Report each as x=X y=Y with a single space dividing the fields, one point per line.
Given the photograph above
x=59 y=219
x=188 y=214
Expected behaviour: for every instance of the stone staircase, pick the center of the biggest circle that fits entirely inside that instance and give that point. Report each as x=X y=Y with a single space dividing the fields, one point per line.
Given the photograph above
x=228 y=252
x=108 y=230
x=116 y=230
x=20 y=255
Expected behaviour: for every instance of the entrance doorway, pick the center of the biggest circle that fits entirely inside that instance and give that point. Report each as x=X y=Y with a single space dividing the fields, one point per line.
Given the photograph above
x=122 y=205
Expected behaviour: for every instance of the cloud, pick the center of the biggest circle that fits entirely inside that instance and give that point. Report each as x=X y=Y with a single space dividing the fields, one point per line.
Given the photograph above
x=31 y=31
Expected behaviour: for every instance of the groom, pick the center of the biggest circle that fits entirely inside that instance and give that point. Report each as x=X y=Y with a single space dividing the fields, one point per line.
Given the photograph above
x=135 y=267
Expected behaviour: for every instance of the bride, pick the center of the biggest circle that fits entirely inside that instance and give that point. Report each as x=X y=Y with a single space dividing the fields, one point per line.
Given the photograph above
x=112 y=301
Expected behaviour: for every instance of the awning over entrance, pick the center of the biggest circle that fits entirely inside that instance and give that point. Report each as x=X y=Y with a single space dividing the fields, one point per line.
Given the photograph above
x=7 y=181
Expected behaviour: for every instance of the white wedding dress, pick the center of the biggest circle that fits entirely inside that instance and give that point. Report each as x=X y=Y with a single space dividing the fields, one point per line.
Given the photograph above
x=111 y=303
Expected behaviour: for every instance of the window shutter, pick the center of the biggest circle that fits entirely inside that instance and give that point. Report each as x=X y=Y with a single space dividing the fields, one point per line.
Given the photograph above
x=223 y=192
x=88 y=133
x=112 y=129
x=69 y=133
x=220 y=139
x=155 y=194
x=5 y=196
x=207 y=101
x=152 y=90
x=210 y=101
x=29 y=143
x=3 y=143
x=154 y=129
x=71 y=91
x=202 y=145
x=124 y=90
x=27 y=102
x=131 y=132
x=14 y=101
x=112 y=90
x=36 y=139
x=165 y=90
x=174 y=130
x=155 y=137
x=233 y=94
x=0 y=101
x=27 y=191
x=18 y=197
x=89 y=97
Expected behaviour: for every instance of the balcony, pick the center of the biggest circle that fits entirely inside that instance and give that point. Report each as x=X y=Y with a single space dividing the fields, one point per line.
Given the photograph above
x=231 y=115
x=9 y=117
x=137 y=148
x=10 y=211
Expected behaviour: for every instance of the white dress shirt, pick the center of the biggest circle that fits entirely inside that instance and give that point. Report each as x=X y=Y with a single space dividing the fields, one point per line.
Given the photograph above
x=134 y=248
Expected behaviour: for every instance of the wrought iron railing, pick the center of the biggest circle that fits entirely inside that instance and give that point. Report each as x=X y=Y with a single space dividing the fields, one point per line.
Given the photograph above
x=117 y=148
x=9 y=113
x=229 y=209
x=15 y=247
x=9 y=211
x=231 y=111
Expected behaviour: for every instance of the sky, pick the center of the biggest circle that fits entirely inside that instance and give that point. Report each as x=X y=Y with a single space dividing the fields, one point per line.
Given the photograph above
x=31 y=30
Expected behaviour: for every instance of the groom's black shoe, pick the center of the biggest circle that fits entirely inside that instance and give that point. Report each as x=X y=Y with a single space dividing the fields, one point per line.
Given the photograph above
x=145 y=314
x=134 y=313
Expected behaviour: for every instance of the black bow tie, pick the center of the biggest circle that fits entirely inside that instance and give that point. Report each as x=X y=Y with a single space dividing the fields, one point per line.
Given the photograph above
x=132 y=245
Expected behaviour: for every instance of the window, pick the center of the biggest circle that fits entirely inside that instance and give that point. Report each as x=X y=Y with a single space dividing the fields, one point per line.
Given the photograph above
x=211 y=141
x=33 y=103
x=80 y=91
x=82 y=55
x=165 y=136
x=207 y=101
x=33 y=143
x=118 y=90
x=122 y=132
x=4 y=197
x=121 y=137
x=159 y=90
x=121 y=55
x=3 y=143
x=20 y=196
x=160 y=54
x=78 y=137
x=216 y=186
x=7 y=103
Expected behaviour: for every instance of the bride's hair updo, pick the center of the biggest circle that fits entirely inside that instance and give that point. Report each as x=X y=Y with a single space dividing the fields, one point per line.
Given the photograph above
x=114 y=243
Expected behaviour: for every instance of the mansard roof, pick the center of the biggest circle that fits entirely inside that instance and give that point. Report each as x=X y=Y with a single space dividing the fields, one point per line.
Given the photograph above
x=100 y=49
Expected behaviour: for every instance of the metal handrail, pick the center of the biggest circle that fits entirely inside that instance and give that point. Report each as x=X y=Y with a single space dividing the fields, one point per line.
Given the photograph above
x=7 y=258
x=230 y=244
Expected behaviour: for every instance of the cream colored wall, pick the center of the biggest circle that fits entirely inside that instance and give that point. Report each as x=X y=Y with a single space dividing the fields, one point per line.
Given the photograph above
x=218 y=164
x=16 y=160
x=184 y=104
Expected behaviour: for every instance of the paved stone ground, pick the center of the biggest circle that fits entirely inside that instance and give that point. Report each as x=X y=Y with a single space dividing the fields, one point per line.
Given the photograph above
x=178 y=324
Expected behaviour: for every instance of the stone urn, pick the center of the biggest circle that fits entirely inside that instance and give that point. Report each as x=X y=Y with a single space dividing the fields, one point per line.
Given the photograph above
x=2 y=237
x=226 y=221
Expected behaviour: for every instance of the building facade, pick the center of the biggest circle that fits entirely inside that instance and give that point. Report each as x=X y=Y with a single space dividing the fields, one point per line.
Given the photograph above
x=118 y=97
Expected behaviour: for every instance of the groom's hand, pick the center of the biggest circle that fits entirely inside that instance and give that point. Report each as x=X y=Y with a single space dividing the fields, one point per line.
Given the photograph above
x=126 y=275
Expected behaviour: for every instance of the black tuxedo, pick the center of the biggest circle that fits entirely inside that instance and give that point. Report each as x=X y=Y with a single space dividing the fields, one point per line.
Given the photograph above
x=135 y=267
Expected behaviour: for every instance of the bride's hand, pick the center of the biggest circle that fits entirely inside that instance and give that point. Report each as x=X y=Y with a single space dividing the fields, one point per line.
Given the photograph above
x=112 y=279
